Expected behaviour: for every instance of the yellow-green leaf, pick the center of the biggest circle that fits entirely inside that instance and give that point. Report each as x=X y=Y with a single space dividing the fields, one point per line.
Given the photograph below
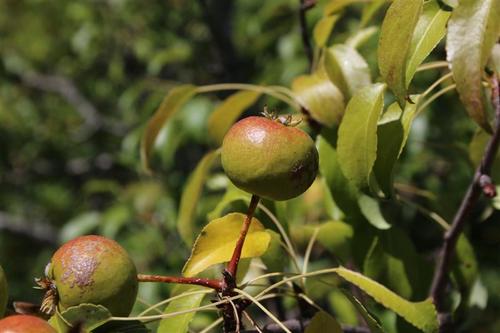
x=395 y=41
x=322 y=322
x=357 y=141
x=228 y=111
x=370 y=320
x=420 y=314
x=336 y=5
x=323 y=29
x=180 y=323
x=191 y=194
x=320 y=97
x=172 y=103
x=216 y=242
x=359 y=38
x=472 y=31
x=430 y=29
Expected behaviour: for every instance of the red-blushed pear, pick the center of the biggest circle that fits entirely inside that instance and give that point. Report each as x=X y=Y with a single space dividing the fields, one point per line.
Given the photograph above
x=25 y=324
x=268 y=158
x=96 y=270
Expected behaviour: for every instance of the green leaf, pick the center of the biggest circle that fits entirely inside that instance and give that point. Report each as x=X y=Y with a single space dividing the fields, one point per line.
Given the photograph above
x=232 y=194
x=420 y=314
x=228 y=112
x=477 y=147
x=357 y=141
x=370 y=10
x=337 y=5
x=92 y=316
x=320 y=97
x=172 y=103
x=323 y=29
x=342 y=308
x=80 y=225
x=180 y=323
x=472 y=32
x=361 y=37
x=395 y=42
x=465 y=268
x=370 y=320
x=371 y=211
x=218 y=238
x=191 y=194
x=343 y=192
x=430 y=29
x=347 y=69
x=275 y=258
x=321 y=321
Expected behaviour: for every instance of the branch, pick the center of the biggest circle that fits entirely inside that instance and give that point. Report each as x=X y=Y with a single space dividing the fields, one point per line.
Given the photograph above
x=296 y=326
x=477 y=185
x=304 y=6
x=209 y=283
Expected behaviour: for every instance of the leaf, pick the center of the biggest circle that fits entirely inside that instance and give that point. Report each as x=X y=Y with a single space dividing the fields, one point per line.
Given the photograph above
x=228 y=112
x=371 y=211
x=347 y=69
x=370 y=10
x=3 y=292
x=336 y=5
x=465 y=268
x=430 y=29
x=370 y=320
x=395 y=42
x=342 y=308
x=218 y=238
x=191 y=194
x=472 y=32
x=343 y=192
x=79 y=225
x=323 y=29
x=92 y=316
x=359 y=38
x=477 y=147
x=180 y=323
x=232 y=194
x=495 y=58
x=320 y=97
x=172 y=103
x=357 y=141
x=420 y=314
x=322 y=320
x=275 y=258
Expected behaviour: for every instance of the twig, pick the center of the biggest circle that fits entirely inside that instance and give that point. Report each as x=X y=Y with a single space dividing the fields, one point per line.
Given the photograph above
x=304 y=6
x=473 y=193
x=209 y=283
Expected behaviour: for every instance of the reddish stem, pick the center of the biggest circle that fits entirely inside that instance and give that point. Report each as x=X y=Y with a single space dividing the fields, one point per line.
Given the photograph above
x=209 y=283
x=232 y=267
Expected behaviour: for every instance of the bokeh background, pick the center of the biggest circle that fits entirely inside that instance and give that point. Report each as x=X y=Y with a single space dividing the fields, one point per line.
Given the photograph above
x=79 y=80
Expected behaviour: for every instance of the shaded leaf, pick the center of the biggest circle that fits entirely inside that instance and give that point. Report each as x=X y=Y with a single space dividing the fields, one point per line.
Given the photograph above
x=342 y=308
x=323 y=29
x=216 y=242
x=472 y=31
x=320 y=97
x=370 y=320
x=180 y=323
x=3 y=292
x=322 y=320
x=347 y=69
x=228 y=112
x=477 y=147
x=336 y=5
x=79 y=225
x=370 y=10
x=172 y=103
x=357 y=141
x=275 y=258
x=92 y=316
x=191 y=194
x=361 y=37
x=430 y=29
x=465 y=268
x=232 y=194
x=370 y=209
x=420 y=314
x=343 y=192
x=395 y=42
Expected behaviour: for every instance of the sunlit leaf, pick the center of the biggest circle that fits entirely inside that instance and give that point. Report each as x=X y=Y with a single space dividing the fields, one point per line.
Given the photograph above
x=322 y=320
x=420 y=314
x=430 y=29
x=395 y=42
x=472 y=31
x=180 y=323
x=320 y=97
x=371 y=211
x=191 y=194
x=357 y=141
x=347 y=69
x=172 y=103
x=216 y=242
x=323 y=29
x=228 y=112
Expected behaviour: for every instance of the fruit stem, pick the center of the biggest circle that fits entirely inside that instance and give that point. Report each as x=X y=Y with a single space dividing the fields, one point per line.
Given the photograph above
x=209 y=283
x=232 y=267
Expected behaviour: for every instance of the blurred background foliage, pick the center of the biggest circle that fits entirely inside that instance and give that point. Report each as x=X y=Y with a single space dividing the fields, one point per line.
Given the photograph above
x=79 y=80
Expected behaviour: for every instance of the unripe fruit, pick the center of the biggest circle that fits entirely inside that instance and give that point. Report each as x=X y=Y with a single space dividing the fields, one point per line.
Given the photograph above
x=97 y=270
x=268 y=158
x=3 y=292
x=25 y=324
